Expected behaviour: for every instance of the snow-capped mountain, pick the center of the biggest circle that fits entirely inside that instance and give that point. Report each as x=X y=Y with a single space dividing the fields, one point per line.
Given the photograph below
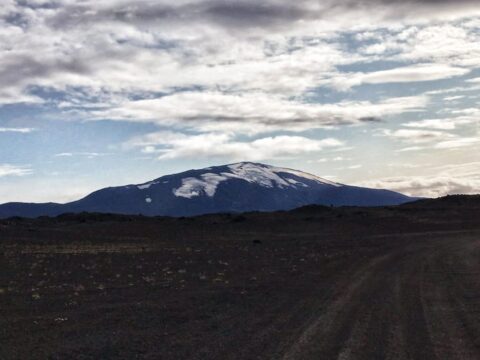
x=236 y=187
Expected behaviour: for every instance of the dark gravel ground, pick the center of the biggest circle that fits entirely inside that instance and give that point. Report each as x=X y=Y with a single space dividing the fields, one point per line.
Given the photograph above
x=314 y=283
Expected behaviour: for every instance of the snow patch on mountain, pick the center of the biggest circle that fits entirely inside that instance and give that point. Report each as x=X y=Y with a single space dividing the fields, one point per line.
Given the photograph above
x=295 y=182
x=192 y=187
x=304 y=175
x=263 y=175
x=258 y=174
x=147 y=185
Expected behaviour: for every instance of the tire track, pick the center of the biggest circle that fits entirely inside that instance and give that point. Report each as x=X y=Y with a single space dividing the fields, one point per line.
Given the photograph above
x=326 y=335
x=454 y=328
x=420 y=301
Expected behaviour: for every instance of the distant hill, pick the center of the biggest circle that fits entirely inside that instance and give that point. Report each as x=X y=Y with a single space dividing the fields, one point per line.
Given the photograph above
x=235 y=187
x=449 y=201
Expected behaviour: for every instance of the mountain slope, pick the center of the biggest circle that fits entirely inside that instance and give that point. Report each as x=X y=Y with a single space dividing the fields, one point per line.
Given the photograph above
x=229 y=188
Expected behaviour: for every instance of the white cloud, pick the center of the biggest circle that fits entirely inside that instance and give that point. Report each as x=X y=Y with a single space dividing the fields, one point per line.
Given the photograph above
x=473 y=112
x=419 y=72
x=444 y=180
x=351 y=167
x=451 y=44
x=13 y=170
x=254 y=112
x=458 y=143
x=89 y=155
x=17 y=130
x=138 y=47
x=417 y=136
x=427 y=186
x=474 y=80
x=411 y=148
x=406 y=74
x=429 y=139
x=326 y=160
x=169 y=145
x=442 y=124
x=453 y=98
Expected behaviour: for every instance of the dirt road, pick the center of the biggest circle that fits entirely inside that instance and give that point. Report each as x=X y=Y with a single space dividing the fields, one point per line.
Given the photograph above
x=417 y=302
x=315 y=288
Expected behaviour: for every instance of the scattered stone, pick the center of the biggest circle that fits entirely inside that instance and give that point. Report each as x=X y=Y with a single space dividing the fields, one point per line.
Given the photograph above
x=149 y=279
x=79 y=288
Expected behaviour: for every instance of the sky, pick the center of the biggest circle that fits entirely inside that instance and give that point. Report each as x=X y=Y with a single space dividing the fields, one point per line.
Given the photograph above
x=375 y=93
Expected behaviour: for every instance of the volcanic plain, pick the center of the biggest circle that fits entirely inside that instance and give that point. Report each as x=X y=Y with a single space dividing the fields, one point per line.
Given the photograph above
x=317 y=282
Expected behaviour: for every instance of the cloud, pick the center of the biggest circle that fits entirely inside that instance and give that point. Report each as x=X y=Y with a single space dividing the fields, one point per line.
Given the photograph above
x=443 y=180
x=13 y=170
x=429 y=139
x=453 y=44
x=444 y=43
x=170 y=145
x=17 y=130
x=411 y=148
x=248 y=15
x=326 y=160
x=474 y=80
x=129 y=48
x=89 y=155
x=417 y=136
x=427 y=186
x=16 y=95
x=254 y=112
x=453 y=98
x=419 y=72
x=406 y=74
x=458 y=143
x=442 y=124
x=351 y=167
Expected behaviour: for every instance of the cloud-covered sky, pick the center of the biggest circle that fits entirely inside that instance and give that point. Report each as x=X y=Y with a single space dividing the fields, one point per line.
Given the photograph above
x=382 y=93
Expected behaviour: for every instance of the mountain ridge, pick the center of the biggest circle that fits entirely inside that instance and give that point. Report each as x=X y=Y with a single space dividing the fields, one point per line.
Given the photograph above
x=236 y=187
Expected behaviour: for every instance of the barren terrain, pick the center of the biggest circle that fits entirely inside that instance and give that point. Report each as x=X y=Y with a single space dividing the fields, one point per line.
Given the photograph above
x=314 y=283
